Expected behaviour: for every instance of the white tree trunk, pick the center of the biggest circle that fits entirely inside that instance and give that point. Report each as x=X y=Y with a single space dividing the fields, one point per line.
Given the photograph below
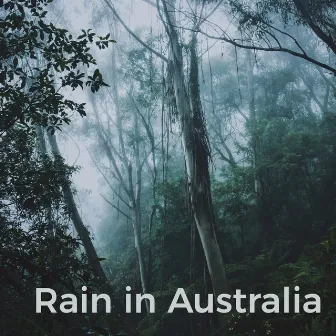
x=196 y=152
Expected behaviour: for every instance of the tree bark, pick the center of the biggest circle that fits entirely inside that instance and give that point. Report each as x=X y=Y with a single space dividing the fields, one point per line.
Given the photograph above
x=137 y=209
x=326 y=38
x=124 y=173
x=196 y=150
x=78 y=222
x=252 y=119
x=43 y=152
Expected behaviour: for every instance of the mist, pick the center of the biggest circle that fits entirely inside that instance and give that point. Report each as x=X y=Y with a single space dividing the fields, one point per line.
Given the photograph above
x=150 y=148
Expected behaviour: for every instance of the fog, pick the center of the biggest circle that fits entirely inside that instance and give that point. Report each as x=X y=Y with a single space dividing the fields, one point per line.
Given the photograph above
x=139 y=17
x=168 y=146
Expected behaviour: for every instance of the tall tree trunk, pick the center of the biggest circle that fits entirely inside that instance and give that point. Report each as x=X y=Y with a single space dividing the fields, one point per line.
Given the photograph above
x=134 y=193
x=327 y=38
x=78 y=222
x=78 y=322
x=264 y=222
x=252 y=117
x=196 y=149
x=150 y=134
x=43 y=152
x=125 y=173
x=140 y=252
x=137 y=208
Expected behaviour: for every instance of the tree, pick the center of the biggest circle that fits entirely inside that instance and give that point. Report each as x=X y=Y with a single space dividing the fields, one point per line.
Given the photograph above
x=194 y=139
x=196 y=148
x=258 y=21
x=38 y=61
x=130 y=147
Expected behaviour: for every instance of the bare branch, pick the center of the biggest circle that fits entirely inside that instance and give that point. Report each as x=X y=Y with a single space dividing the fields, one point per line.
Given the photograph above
x=115 y=207
x=223 y=157
x=268 y=49
x=109 y=4
x=106 y=179
x=327 y=80
x=327 y=39
x=202 y=20
x=152 y=3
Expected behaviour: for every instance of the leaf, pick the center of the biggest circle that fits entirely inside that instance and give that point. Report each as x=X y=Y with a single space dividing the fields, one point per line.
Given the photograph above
x=15 y=62
x=23 y=82
x=20 y=8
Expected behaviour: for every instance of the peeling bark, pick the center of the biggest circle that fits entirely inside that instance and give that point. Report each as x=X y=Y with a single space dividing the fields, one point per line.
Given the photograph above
x=196 y=150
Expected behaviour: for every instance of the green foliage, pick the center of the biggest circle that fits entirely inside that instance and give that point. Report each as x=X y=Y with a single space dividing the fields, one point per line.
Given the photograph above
x=262 y=18
x=38 y=61
x=273 y=200
x=32 y=254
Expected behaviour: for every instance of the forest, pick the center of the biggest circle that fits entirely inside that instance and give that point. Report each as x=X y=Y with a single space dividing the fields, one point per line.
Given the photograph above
x=167 y=144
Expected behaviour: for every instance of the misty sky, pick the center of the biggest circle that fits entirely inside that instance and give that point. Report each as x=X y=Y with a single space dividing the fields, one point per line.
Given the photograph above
x=76 y=15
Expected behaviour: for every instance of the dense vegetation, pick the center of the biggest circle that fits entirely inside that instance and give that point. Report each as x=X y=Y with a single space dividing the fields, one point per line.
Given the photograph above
x=217 y=169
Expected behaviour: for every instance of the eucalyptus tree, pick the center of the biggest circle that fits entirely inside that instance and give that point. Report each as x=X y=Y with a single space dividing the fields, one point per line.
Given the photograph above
x=127 y=136
x=274 y=26
x=30 y=91
x=39 y=62
x=184 y=89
